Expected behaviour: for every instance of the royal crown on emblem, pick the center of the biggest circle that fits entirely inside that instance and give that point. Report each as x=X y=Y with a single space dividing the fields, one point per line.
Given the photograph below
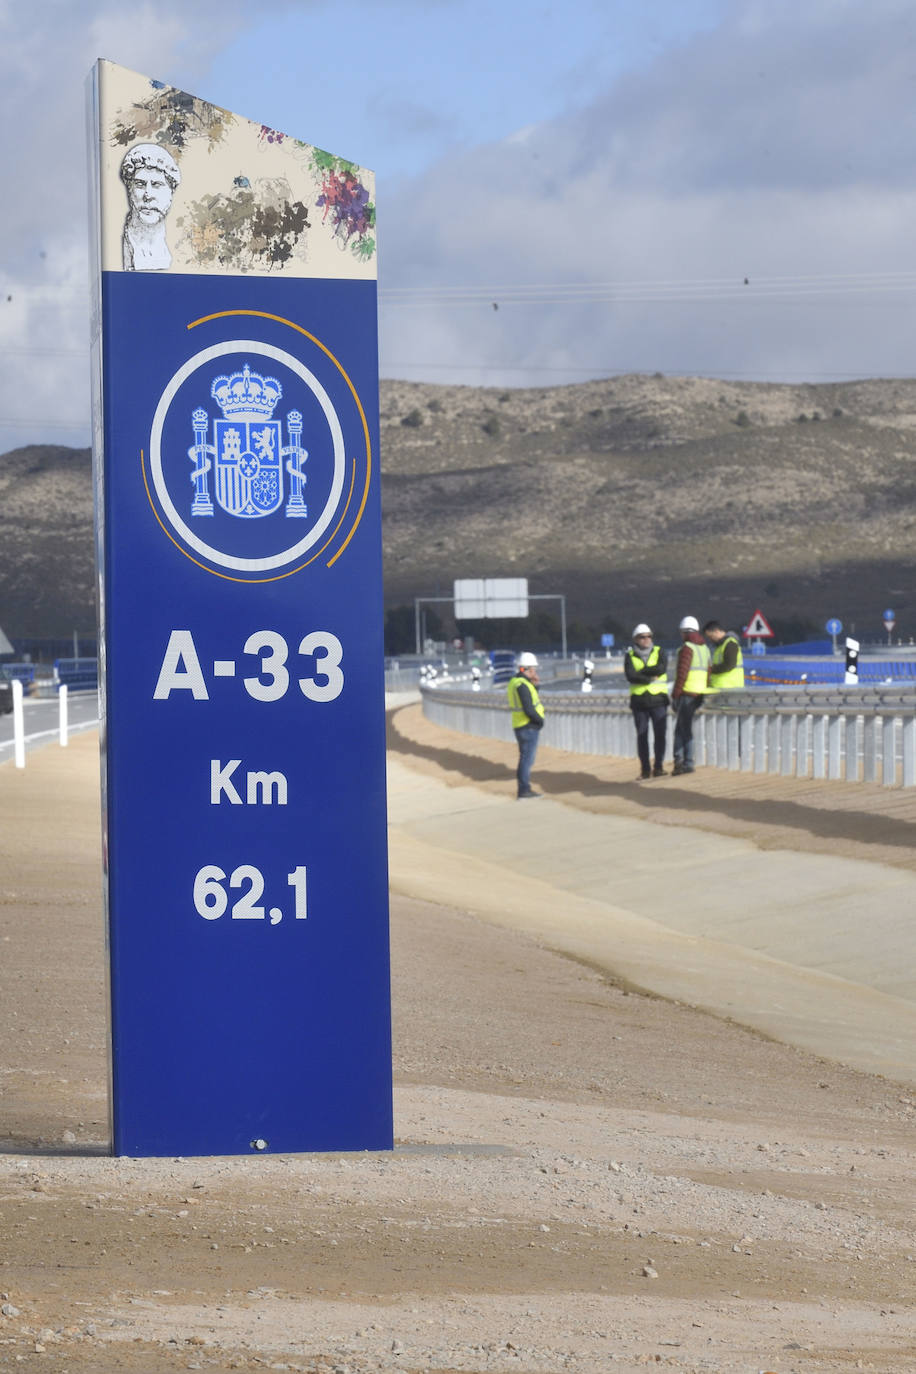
x=246 y=394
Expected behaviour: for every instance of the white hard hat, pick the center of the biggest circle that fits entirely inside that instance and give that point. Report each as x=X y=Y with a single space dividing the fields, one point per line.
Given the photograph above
x=527 y=661
x=689 y=622
x=641 y=629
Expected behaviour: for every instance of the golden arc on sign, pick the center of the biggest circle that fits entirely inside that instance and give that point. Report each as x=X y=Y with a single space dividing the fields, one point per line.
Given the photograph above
x=278 y=319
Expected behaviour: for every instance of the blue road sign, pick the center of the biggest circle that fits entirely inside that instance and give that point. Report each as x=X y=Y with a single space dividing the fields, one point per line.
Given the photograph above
x=607 y=641
x=889 y=616
x=834 y=626
x=244 y=713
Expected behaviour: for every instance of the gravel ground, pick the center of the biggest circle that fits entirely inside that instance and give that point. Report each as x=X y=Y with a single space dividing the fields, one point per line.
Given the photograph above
x=586 y=1178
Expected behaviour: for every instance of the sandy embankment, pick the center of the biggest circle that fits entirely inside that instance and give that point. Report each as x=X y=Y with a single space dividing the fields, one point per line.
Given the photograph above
x=782 y=920
x=586 y=1178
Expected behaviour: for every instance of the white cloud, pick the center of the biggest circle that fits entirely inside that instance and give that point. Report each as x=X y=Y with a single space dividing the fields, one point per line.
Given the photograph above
x=48 y=50
x=775 y=144
x=778 y=145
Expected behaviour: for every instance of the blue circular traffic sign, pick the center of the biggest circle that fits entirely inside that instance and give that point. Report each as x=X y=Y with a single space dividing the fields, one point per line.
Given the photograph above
x=889 y=615
x=834 y=626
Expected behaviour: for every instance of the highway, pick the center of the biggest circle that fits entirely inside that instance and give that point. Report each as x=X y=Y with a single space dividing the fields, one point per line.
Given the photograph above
x=42 y=719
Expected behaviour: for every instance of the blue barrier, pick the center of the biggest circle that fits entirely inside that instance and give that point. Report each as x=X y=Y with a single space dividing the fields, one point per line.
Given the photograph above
x=77 y=674
x=824 y=672
x=23 y=672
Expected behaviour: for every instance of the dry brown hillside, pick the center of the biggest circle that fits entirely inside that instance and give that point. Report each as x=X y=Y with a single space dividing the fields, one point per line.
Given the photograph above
x=652 y=496
x=636 y=497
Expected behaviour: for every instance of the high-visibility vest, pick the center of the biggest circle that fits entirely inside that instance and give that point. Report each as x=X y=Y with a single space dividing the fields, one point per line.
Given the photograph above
x=519 y=716
x=735 y=676
x=658 y=686
x=698 y=672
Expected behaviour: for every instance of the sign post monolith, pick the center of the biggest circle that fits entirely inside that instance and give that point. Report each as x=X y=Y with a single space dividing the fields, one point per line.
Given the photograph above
x=235 y=440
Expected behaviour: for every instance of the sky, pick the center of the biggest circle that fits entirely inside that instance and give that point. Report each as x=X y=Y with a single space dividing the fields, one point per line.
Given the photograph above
x=565 y=191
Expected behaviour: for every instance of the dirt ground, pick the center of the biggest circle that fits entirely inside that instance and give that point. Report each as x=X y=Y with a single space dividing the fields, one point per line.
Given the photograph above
x=585 y=1178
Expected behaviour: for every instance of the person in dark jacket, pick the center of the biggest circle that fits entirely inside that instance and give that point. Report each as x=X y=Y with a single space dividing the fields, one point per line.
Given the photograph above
x=527 y=719
x=646 y=668
x=691 y=683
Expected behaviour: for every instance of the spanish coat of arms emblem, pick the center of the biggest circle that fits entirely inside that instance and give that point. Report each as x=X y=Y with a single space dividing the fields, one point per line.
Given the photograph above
x=247 y=452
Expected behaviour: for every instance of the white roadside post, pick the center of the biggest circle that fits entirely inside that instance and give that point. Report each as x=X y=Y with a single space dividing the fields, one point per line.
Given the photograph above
x=18 y=724
x=62 y=703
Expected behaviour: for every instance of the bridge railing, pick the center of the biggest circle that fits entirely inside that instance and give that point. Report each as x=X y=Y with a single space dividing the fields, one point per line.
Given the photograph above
x=857 y=734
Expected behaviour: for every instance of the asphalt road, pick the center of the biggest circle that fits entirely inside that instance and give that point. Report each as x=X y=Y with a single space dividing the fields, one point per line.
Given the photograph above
x=42 y=721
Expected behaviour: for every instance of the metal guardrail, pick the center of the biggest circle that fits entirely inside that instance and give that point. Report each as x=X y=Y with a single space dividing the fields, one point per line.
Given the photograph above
x=856 y=734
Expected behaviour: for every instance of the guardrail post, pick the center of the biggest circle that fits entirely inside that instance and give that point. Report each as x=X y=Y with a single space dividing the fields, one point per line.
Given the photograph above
x=747 y=744
x=819 y=747
x=733 y=746
x=909 y=751
x=852 y=748
x=773 y=744
x=870 y=750
x=700 y=751
x=802 y=744
x=834 y=741
x=888 y=751
x=787 y=733
x=722 y=741
x=760 y=744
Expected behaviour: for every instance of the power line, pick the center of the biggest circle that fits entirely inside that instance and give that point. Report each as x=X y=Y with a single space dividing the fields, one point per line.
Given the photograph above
x=806 y=287
x=659 y=283
x=886 y=293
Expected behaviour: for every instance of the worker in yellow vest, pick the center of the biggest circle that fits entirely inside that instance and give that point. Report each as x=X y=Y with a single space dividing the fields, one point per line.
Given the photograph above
x=726 y=671
x=645 y=667
x=691 y=681
x=527 y=719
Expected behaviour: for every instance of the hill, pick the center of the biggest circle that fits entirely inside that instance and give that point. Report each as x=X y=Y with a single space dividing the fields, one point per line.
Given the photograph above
x=47 y=574
x=652 y=497
x=636 y=497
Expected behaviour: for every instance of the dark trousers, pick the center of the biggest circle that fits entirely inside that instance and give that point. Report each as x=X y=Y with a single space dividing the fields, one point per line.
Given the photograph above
x=658 y=716
x=687 y=707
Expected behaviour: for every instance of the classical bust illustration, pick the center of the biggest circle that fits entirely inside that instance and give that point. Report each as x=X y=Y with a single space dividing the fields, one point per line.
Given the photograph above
x=150 y=175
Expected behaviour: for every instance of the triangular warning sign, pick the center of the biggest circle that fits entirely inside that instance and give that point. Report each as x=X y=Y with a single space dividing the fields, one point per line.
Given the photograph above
x=758 y=627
